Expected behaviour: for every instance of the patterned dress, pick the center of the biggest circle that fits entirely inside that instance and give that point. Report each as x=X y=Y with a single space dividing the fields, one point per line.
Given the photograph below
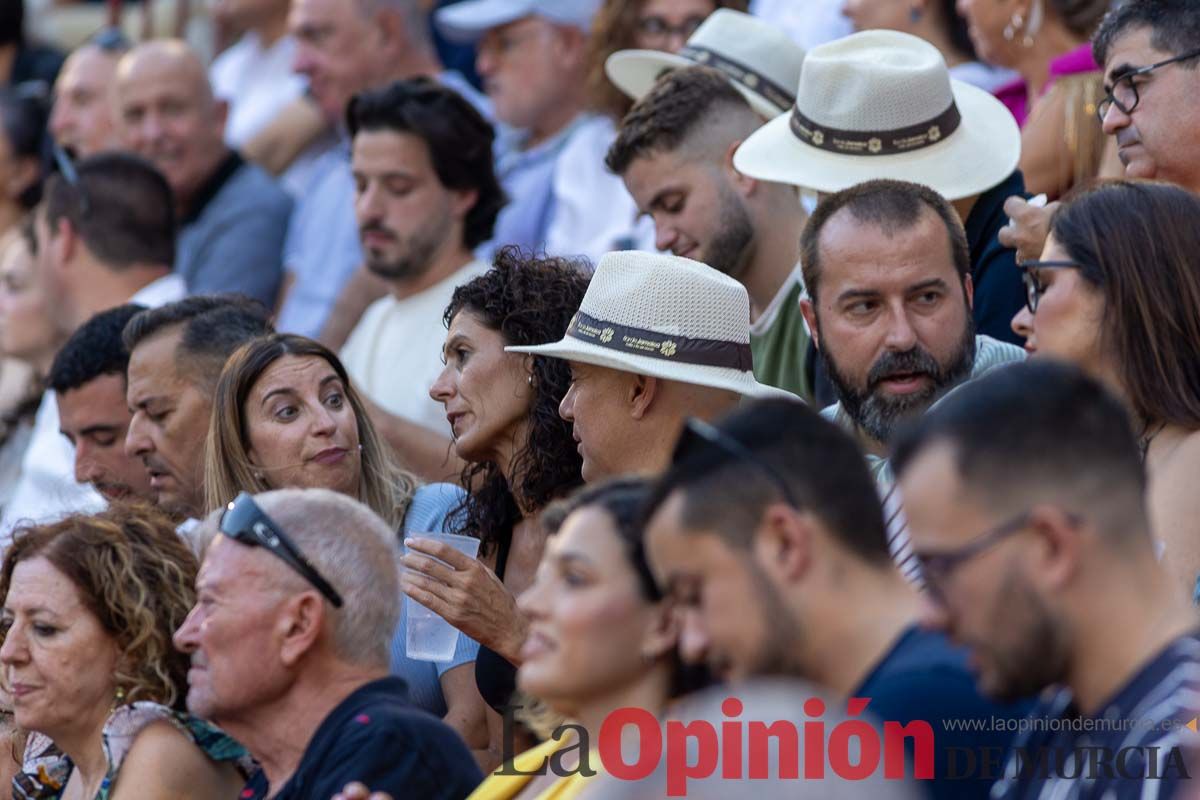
x=46 y=769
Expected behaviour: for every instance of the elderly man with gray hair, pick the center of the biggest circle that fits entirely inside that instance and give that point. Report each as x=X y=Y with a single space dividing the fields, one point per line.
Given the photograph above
x=297 y=599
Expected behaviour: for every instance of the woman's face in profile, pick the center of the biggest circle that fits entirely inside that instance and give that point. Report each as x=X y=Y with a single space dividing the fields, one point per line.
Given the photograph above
x=1069 y=317
x=301 y=428
x=58 y=662
x=27 y=328
x=591 y=630
x=484 y=390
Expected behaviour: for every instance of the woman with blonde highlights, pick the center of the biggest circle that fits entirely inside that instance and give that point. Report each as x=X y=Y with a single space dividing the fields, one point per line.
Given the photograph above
x=285 y=416
x=89 y=607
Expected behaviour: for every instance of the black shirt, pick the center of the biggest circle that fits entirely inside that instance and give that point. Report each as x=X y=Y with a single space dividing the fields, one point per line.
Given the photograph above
x=377 y=737
x=999 y=293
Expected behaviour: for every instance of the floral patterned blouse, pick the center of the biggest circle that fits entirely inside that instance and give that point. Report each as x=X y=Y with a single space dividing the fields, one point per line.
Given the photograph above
x=46 y=769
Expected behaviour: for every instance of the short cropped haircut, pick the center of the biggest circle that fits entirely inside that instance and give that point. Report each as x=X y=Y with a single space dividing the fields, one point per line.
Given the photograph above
x=122 y=208
x=1039 y=432
x=893 y=207
x=1174 y=27
x=353 y=549
x=682 y=103
x=96 y=348
x=823 y=469
x=213 y=327
x=459 y=140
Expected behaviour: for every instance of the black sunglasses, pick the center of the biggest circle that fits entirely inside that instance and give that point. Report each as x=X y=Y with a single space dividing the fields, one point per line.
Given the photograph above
x=243 y=521
x=697 y=431
x=66 y=167
x=1033 y=287
x=1127 y=89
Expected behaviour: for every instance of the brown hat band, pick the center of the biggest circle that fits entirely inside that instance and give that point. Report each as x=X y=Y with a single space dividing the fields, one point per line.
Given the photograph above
x=876 y=143
x=749 y=78
x=642 y=342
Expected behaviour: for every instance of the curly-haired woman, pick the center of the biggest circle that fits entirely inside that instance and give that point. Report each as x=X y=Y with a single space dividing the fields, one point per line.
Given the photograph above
x=89 y=607
x=503 y=410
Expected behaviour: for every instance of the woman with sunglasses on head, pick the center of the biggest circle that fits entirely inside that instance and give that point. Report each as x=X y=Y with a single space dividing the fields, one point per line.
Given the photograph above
x=90 y=604
x=1117 y=292
x=520 y=454
x=286 y=415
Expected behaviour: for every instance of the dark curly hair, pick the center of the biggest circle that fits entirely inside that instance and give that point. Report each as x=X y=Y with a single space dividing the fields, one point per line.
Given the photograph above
x=529 y=300
x=136 y=575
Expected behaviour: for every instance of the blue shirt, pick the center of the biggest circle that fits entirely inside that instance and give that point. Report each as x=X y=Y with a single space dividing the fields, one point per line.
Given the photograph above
x=1146 y=719
x=924 y=677
x=430 y=511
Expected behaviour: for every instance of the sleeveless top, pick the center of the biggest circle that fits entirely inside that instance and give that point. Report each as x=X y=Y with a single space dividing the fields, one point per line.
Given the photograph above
x=495 y=677
x=46 y=769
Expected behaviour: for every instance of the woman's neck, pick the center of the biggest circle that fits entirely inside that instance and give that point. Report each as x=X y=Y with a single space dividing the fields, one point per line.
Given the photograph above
x=507 y=459
x=932 y=29
x=85 y=748
x=650 y=692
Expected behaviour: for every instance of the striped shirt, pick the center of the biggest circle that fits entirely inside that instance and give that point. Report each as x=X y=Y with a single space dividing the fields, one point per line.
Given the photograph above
x=989 y=353
x=1141 y=744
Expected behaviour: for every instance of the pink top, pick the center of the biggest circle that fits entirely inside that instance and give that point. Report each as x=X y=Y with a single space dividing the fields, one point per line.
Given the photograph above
x=1015 y=95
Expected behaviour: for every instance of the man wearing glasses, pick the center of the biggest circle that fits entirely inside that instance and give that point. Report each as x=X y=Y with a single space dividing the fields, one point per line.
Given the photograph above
x=1025 y=494
x=769 y=535
x=1150 y=50
x=297 y=600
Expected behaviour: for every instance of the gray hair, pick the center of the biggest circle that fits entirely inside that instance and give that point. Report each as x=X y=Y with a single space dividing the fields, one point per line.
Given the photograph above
x=410 y=12
x=353 y=549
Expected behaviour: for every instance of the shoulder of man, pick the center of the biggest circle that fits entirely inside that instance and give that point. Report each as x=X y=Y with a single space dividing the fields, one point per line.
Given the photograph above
x=390 y=746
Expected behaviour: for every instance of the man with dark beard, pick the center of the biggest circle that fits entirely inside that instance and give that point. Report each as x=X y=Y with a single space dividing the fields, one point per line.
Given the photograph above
x=1026 y=495
x=887 y=269
x=675 y=153
x=767 y=532
x=426 y=195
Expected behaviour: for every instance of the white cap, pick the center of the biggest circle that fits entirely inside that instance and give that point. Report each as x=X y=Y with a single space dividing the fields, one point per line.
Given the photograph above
x=468 y=20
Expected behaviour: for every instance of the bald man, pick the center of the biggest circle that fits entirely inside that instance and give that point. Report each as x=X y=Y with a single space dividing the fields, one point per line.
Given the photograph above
x=232 y=215
x=82 y=118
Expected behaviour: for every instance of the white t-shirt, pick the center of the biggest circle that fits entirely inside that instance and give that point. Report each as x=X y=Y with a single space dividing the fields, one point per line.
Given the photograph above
x=594 y=212
x=394 y=353
x=256 y=83
x=47 y=489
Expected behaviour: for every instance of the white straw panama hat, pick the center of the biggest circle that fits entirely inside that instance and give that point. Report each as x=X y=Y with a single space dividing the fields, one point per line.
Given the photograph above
x=665 y=317
x=882 y=104
x=761 y=61
x=468 y=20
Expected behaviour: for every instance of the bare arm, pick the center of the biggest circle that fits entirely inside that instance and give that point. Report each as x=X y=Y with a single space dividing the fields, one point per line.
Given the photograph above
x=363 y=288
x=466 y=711
x=192 y=776
x=1174 y=506
x=289 y=134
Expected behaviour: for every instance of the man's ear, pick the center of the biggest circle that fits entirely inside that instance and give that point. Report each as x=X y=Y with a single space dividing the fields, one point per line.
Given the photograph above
x=640 y=394
x=969 y=289
x=1060 y=550
x=462 y=201
x=744 y=184
x=662 y=630
x=64 y=242
x=809 y=312
x=300 y=624
x=783 y=543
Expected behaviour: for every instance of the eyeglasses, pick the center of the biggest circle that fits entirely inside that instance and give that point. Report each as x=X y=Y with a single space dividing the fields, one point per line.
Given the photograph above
x=936 y=567
x=243 y=521
x=698 y=431
x=1124 y=92
x=659 y=28
x=1033 y=287
x=66 y=168
x=111 y=40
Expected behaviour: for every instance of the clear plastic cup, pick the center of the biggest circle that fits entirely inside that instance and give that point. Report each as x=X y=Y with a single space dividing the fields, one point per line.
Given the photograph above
x=427 y=636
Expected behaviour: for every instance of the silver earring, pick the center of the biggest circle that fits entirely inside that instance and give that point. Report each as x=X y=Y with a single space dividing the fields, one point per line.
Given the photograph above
x=531 y=380
x=258 y=475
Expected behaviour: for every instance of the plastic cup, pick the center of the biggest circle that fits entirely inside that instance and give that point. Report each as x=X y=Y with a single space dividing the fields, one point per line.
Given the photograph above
x=427 y=636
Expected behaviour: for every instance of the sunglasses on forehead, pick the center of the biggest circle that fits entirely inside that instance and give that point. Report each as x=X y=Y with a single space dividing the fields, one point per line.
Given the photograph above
x=243 y=521
x=697 y=434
